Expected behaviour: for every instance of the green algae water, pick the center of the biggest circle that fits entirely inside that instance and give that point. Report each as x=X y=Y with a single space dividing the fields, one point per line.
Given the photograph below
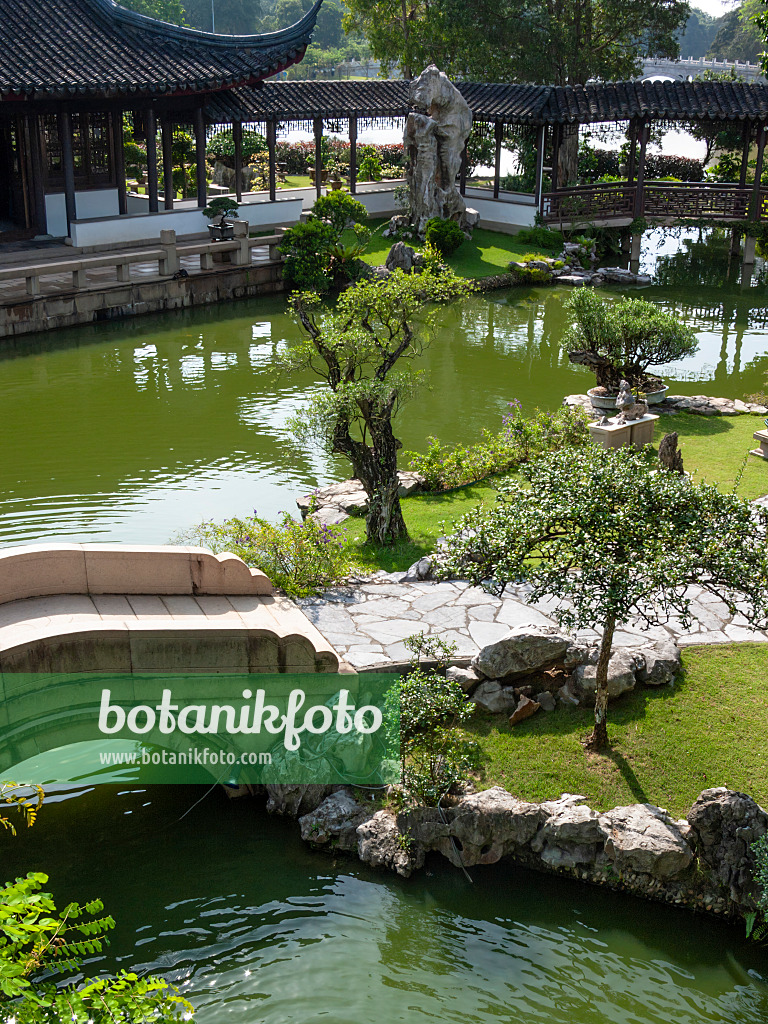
x=134 y=430
x=256 y=929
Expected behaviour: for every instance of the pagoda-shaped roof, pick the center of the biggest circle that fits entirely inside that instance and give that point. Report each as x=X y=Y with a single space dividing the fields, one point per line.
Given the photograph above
x=63 y=48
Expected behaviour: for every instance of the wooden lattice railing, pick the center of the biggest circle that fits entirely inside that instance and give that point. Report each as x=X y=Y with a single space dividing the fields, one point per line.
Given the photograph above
x=589 y=202
x=661 y=200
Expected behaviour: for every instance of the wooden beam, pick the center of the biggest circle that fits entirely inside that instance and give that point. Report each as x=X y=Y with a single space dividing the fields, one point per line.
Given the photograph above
x=68 y=165
x=498 y=134
x=150 y=122
x=318 y=125
x=167 y=163
x=202 y=187
x=746 y=142
x=40 y=217
x=538 y=191
x=116 y=124
x=353 y=155
x=632 y=160
x=645 y=132
x=557 y=135
x=272 y=152
x=237 y=139
x=754 y=206
x=463 y=171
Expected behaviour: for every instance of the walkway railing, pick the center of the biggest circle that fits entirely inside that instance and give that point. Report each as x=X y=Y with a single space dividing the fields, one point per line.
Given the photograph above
x=659 y=200
x=236 y=252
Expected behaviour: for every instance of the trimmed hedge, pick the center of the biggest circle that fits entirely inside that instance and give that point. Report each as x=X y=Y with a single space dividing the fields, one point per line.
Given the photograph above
x=596 y=163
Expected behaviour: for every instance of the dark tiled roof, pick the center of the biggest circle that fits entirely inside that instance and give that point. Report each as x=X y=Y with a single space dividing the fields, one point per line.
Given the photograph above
x=94 y=47
x=512 y=103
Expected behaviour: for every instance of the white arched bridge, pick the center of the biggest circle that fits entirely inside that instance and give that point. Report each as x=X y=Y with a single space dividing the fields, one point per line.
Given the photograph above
x=685 y=68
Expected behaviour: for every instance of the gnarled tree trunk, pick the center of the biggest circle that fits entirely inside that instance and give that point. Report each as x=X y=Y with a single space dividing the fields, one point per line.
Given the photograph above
x=598 y=739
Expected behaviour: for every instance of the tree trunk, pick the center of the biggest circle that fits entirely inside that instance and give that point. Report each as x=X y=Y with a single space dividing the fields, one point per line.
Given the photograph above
x=568 y=156
x=598 y=739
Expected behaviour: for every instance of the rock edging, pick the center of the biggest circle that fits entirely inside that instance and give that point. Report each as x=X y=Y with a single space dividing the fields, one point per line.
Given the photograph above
x=702 y=862
x=699 y=405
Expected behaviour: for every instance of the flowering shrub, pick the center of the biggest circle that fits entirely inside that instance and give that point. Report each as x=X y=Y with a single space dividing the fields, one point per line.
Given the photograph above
x=301 y=558
x=297 y=157
x=521 y=440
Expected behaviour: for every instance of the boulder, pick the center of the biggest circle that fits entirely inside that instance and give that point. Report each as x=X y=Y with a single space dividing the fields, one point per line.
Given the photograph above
x=347 y=495
x=571 y=835
x=545 y=700
x=334 y=822
x=492 y=696
x=296 y=800
x=724 y=824
x=523 y=650
x=410 y=483
x=421 y=570
x=622 y=675
x=467 y=678
x=480 y=829
x=525 y=708
x=644 y=838
x=661 y=663
x=579 y=654
x=400 y=257
x=381 y=844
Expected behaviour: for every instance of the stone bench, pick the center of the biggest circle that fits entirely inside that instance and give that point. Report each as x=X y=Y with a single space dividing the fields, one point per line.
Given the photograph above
x=761 y=436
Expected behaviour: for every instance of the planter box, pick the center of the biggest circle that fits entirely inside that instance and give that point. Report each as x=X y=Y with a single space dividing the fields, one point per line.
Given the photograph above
x=607 y=403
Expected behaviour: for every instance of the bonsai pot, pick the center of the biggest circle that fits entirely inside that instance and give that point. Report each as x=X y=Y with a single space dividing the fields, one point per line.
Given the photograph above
x=221 y=232
x=607 y=403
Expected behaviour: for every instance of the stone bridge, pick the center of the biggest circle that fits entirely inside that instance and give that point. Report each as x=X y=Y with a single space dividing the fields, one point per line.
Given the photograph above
x=689 y=67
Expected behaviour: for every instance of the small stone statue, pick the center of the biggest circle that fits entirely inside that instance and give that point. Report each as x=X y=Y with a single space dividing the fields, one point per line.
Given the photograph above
x=670 y=456
x=624 y=402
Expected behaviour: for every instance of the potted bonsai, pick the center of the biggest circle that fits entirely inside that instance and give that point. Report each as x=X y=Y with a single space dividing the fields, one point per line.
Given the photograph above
x=621 y=341
x=217 y=211
x=335 y=179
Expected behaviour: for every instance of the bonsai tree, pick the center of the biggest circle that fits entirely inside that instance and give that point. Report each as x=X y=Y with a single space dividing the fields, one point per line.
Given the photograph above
x=615 y=539
x=620 y=340
x=362 y=349
x=220 y=208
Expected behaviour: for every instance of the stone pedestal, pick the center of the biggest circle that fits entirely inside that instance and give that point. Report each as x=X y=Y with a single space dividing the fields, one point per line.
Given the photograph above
x=761 y=436
x=615 y=435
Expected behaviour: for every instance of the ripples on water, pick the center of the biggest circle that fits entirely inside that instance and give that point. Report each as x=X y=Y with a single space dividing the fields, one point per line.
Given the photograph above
x=230 y=905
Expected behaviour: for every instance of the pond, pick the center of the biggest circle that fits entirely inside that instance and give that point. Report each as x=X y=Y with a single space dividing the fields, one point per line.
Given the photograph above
x=131 y=431
x=228 y=903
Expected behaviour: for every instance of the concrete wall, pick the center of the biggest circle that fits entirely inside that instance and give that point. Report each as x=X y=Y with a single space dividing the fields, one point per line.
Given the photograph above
x=101 y=202
x=510 y=212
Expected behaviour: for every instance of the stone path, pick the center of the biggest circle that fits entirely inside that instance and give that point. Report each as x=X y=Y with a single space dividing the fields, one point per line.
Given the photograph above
x=366 y=624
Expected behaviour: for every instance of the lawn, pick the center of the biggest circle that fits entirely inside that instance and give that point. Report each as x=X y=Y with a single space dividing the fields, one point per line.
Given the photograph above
x=709 y=729
x=485 y=254
x=713 y=449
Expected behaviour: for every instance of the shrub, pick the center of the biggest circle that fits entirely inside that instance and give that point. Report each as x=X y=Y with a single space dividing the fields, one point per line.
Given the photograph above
x=338 y=208
x=302 y=558
x=541 y=237
x=445 y=235
x=307 y=250
x=370 y=166
x=521 y=440
x=221 y=146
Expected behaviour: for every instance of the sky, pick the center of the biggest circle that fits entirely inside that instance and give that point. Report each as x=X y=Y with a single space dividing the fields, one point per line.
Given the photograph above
x=714 y=7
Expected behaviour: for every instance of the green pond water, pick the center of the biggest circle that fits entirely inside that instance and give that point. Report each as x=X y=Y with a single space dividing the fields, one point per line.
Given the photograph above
x=133 y=430
x=256 y=929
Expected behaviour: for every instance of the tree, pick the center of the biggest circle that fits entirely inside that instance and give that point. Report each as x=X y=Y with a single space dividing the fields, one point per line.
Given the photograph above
x=38 y=941
x=359 y=350
x=615 y=539
x=620 y=340
x=164 y=10
x=739 y=35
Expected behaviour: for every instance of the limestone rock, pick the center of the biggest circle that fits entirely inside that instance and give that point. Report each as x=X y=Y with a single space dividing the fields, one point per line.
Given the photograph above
x=523 y=650
x=467 y=678
x=492 y=696
x=579 y=654
x=421 y=570
x=334 y=822
x=410 y=483
x=545 y=700
x=483 y=826
x=571 y=835
x=724 y=824
x=347 y=495
x=644 y=838
x=380 y=844
x=436 y=130
x=662 y=663
x=670 y=456
x=400 y=257
x=525 y=708
x=622 y=675
x=294 y=800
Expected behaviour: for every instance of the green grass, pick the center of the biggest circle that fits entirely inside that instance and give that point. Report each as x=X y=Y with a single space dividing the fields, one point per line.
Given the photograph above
x=710 y=729
x=485 y=254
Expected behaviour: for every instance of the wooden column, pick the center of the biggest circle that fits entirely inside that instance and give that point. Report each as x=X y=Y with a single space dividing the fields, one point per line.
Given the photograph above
x=237 y=139
x=68 y=165
x=645 y=131
x=168 y=163
x=631 y=161
x=538 y=192
x=498 y=137
x=39 y=216
x=318 y=124
x=353 y=155
x=202 y=189
x=557 y=134
x=116 y=123
x=463 y=172
x=150 y=123
x=272 y=150
x=746 y=138
x=754 y=206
